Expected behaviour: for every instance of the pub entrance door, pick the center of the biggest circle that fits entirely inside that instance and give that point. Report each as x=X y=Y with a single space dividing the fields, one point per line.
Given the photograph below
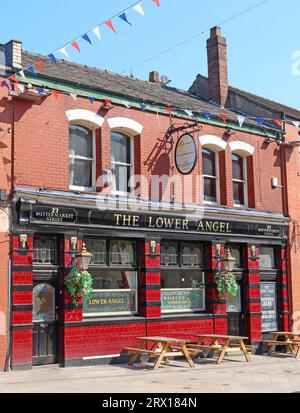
x=45 y=323
x=235 y=315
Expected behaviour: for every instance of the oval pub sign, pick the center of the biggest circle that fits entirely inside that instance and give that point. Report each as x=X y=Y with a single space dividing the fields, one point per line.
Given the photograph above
x=186 y=154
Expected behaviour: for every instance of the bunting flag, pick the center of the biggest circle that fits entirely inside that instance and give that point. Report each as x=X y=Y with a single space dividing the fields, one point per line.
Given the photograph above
x=76 y=46
x=126 y=104
x=260 y=121
x=188 y=112
x=86 y=37
x=31 y=70
x=52 y=57
x=21 y=88
x=278 y=122
x=124 y=17
x=296 y=123
x=73 y=95
x=224 y=117
x=241 y=120
x=91 y=99
x=56 y=94
x=157 y=2
x=6 y=84
x=207 y=115
x=40 y=90
x=14 y=79
x=139 y=9
x=97 y=33
x=22 y=74
x=143 y=106
x=110 y=25
x=63 y=51
x=39 y=64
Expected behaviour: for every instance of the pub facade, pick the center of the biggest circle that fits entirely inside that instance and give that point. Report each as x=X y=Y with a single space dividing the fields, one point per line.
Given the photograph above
x=109 y=177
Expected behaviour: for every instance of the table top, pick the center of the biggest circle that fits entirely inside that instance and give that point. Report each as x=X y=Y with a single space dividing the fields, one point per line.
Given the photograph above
x=222 y=336
x=163 y=339
x=285 y=333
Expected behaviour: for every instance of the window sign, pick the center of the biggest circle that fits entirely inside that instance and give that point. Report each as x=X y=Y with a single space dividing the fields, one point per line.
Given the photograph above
x=266 y=257
x=182 y=300
x=234 y=304
x=186 y=154
x=269 y=307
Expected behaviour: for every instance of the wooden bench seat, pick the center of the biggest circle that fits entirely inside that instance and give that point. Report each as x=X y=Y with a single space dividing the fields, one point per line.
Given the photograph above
x=140 y=351
x=274 y=343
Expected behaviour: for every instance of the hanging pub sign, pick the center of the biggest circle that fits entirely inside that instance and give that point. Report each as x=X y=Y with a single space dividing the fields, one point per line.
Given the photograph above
x=186 y=154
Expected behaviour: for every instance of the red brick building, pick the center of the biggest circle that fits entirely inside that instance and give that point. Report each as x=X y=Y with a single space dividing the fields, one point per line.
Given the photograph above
x=155 y=253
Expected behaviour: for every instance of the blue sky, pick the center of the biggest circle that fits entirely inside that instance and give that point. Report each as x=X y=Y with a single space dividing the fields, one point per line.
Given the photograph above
x=260 y=43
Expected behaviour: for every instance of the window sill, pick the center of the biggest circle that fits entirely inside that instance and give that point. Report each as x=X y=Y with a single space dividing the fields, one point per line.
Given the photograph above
x=81 y=189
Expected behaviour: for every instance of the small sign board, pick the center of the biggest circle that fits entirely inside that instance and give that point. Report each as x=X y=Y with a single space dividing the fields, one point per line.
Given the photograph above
x=182 y=300
x=45 y=214
x=269 y=306
x=185 y=154
x=110 y=302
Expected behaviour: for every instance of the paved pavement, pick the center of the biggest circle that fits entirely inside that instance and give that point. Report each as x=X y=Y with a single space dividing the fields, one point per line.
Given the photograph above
x=276 y=374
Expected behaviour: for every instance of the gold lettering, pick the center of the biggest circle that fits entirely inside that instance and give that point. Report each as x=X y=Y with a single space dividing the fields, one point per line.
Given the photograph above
x=222 y=227
x=169 y=222
x=127 y=220
x=136 y=221
x=228 y=228
x=216 y=226
x=185 y=224
x=178 y=223
x=208 y=226
x=159 y=222
x=151 y=225
x=200 y=226
x=117 y=218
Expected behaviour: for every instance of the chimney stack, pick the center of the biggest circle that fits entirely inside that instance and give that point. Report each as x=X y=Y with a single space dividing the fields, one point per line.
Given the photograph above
x=154 y=77
x=13 y=54
x=217 y=66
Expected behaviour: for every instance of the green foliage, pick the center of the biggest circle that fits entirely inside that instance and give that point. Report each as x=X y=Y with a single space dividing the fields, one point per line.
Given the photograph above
x=79 y=283
x=226 y=284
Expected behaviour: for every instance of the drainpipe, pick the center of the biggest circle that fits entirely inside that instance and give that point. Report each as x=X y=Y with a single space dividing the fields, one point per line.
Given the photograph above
x=9 y=320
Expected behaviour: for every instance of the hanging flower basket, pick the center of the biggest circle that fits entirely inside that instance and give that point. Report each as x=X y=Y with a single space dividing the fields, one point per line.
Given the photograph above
x=79 y=283
x=226 y=284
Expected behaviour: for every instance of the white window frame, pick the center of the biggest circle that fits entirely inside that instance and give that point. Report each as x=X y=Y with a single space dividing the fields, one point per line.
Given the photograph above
x=217 y=178
x=131 y=165
x=92 y=160
x=245 y=181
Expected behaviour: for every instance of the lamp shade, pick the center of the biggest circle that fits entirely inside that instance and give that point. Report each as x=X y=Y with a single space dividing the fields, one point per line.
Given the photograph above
x=228 y=261
x=84 y=258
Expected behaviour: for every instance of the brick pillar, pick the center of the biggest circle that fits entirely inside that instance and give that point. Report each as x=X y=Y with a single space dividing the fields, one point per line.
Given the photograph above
x=215 y=305
x=283 y=299
x=69 y=312
x=252 y=301
x=22 y=286
x=149 y=281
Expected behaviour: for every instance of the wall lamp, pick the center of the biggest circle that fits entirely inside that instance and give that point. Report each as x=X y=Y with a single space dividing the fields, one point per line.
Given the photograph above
x=230 y=132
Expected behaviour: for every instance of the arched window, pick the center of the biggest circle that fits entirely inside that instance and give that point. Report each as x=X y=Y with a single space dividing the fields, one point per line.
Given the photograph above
x=239 y=179
x=121 y=162
x=81 y=158
x=210 y=175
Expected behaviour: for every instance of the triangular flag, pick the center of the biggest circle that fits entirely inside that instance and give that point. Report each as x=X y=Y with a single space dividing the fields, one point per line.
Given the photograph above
x=207 y=115
x=76 y=46
x=124 y=17
x=224 y=117
x=52 y=57
x=5 y=84
x=96 y=30
x=296 y=123
x=278 y=122
x=40 y=90
x=14 y=79
x=107 y=102
x=143 y=106
x=22 y=73
x=241 y=120
x=31 y=70
x=156 y=2
x=260 y=121
x=73 y=95
x=188 y=112
x=91 y=99
x=126 y=104
x=169 y=109
x=39 y=64
x=21 y=88
x=110 y=25
x=139 y=9
x=86 y=37
x=56 y=94
x=63 y=51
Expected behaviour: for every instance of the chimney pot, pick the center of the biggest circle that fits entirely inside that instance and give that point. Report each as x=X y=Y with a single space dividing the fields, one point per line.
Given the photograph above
x=13 y=54
x=154 y=77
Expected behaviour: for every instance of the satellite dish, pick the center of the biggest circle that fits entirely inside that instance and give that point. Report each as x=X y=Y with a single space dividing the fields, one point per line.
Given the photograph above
x=165 y=80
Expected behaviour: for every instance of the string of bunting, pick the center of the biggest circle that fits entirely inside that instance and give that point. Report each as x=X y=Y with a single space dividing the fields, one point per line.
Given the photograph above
x=75 y=44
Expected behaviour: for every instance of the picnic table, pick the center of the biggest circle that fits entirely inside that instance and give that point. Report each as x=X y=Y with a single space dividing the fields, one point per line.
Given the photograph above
x=161 y=348
x=284 y=339
x=220 y=344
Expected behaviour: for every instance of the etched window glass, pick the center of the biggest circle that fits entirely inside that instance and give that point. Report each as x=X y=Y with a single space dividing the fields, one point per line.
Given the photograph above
x=45 y=251
x=43 y=303
x=97 y=247
x=122 y=253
